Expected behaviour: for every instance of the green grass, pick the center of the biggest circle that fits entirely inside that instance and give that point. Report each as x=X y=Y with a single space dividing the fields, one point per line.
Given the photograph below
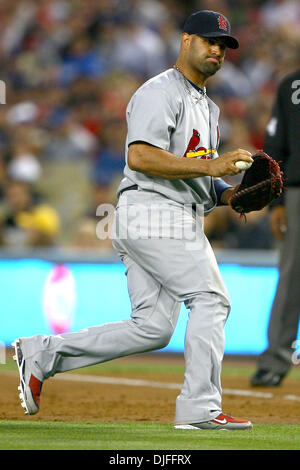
x=150 y=366
x=35 y=435
x=119 y=366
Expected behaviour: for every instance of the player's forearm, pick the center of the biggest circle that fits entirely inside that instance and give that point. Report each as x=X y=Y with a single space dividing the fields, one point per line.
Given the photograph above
x=156 y=162
x=163 y=164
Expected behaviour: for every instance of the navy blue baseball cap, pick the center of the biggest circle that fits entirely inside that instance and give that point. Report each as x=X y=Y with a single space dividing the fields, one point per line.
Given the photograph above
x=210 y=24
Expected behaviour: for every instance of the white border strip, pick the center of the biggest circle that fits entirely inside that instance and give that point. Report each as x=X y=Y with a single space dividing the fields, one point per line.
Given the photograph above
x=167 y=385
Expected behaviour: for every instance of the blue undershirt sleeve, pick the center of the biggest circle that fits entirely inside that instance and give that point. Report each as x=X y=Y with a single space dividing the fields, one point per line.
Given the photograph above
x=220 y=187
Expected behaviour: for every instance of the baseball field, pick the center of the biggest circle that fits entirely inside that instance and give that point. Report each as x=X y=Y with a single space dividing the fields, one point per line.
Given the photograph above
x=128 y=404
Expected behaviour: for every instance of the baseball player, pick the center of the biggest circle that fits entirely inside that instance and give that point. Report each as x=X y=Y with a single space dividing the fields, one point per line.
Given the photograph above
x=172 y=169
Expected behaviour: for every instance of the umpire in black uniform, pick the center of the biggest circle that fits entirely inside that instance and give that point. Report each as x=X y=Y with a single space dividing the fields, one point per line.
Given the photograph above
x=282 y=142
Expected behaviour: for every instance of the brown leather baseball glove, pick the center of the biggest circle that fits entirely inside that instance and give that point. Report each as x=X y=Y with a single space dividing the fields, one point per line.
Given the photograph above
x=261 y=184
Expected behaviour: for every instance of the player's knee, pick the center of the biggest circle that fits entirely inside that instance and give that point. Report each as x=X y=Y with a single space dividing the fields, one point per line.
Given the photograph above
x=158 y=343
x=159 y=339
x=157 y=336
x=164 y=340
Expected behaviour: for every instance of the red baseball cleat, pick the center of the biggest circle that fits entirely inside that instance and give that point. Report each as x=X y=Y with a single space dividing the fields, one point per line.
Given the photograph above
x=30 y=387
x=222 y=422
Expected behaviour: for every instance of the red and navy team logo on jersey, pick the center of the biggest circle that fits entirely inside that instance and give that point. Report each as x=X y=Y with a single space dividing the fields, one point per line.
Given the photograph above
x=222 y=23
x=195 y=150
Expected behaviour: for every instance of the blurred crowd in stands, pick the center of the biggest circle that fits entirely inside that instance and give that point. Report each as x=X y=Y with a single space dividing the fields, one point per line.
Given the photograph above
x=70 y=68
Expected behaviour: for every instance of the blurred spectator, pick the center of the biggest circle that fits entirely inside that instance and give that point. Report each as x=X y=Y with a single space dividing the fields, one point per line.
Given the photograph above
x=252 y=233
x=41 y=225
x=93 y=231
x=117 y=89
x=68 y=141
x=24 y=164
x=215 y=226
x=138 y=49
x=81 y=60
x=280 y=13
x=24 y=220
x=226 y=229
x=109 y=162
x=86 y=236
x=70 y=68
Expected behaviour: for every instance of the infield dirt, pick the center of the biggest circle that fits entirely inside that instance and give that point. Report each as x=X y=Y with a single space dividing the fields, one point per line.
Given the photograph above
x=90 y=402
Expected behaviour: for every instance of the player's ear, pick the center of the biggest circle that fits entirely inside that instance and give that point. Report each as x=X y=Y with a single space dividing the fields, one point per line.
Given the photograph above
x=185 y=41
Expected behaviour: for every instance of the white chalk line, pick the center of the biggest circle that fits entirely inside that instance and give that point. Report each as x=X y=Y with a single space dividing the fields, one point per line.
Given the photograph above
x=166 y=385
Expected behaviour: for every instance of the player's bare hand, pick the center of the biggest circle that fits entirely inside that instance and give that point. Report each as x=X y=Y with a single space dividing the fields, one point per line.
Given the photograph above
x=225 y=164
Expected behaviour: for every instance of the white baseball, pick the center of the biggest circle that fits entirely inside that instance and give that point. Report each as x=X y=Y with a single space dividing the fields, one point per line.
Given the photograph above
x=242 y=165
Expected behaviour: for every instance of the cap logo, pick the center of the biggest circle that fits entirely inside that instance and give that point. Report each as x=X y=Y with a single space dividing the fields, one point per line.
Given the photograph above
x=222 y=23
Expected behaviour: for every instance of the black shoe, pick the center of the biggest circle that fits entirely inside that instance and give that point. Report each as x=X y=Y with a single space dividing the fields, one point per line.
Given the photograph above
x=266 y=378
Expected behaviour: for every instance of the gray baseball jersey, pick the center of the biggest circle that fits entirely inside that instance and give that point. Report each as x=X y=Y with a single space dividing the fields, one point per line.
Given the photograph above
x=169 y=113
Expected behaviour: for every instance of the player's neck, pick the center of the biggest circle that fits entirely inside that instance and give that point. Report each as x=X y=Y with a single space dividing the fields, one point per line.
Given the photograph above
x=194 y=76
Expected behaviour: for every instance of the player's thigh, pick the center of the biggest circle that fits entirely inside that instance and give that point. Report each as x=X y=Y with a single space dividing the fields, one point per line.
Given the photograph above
x=151 y=303
x=184 y=272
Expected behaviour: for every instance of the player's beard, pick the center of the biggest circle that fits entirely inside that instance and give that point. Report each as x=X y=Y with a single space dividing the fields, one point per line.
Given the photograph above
x=201 y=63
x=209 y=68
x=205 y=67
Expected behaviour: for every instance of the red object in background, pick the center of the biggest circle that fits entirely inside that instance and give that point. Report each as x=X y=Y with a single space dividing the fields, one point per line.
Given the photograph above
x=111 y=104
x=235 y=107
x=92 y=125
x=257 y=139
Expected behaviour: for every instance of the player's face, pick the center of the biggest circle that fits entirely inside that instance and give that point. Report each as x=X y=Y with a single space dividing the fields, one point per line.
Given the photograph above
x=206 y=55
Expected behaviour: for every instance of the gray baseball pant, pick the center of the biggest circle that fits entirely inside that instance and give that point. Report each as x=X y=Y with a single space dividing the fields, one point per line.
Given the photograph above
x=161 y=274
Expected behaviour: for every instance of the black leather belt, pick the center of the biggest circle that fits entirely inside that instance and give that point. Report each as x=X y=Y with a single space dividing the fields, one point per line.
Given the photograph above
x=130 y=188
